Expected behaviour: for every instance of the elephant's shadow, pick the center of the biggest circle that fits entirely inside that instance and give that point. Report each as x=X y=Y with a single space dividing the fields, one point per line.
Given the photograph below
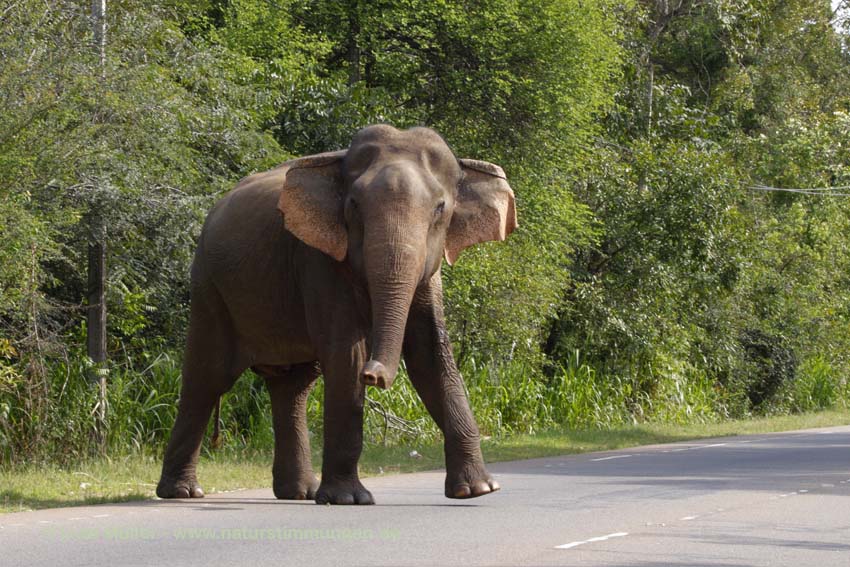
x=244 y=503
x=233 y=505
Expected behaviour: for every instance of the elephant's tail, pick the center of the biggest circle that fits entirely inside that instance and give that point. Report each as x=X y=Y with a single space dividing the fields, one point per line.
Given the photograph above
x=216 y=436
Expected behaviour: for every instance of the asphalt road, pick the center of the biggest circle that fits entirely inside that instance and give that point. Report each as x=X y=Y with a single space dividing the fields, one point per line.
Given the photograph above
x=778 y=499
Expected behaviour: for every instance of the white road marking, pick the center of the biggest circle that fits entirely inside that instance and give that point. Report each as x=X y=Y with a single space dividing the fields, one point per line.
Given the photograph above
x=570 y=545
x=688 y=518
x=695 y=447
x=612 y=457
x=75 y=518
x=101 y=516
x=591 y=540
x=45 y=522
x=802 y=491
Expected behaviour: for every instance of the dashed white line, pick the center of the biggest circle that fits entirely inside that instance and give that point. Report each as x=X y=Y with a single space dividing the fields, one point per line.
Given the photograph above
x=100 y=516
x=570 y=545
x=591 y=540
x=612 y=457
x=688 y=518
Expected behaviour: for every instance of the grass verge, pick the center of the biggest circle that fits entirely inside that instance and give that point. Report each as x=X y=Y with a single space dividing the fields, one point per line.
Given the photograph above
x=134 y=477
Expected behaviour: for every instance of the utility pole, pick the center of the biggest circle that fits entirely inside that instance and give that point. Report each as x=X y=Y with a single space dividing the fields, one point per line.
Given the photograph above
x=96 y=311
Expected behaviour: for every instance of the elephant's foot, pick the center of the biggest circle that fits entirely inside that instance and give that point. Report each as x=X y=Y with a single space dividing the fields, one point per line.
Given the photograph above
x=470 y=482
x=304 y=488
x=180 y=488
x=343 y=492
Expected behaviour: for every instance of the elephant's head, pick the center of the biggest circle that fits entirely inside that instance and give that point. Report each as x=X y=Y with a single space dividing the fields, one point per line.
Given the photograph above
x=392 y=206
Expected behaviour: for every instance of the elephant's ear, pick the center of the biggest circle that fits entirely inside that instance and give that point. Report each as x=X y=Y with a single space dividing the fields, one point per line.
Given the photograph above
x=484 y=209
x=312 y=202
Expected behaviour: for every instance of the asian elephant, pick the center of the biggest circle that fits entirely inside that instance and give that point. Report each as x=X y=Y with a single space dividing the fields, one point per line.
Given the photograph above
x=331 y=264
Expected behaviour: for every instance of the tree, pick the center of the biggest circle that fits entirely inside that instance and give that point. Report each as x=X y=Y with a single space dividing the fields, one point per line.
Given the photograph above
x=96 y=310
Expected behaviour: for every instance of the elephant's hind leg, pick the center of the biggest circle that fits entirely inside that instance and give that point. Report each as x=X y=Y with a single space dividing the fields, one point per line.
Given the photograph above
x=293 y=474
x=210 y=367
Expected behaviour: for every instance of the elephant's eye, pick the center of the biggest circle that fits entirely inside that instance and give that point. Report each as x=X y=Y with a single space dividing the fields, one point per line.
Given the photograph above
x=353 y=209
x=438 y=212
x=351 y=214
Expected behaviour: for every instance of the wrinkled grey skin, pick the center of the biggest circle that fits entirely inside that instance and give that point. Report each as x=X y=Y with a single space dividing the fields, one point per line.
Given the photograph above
x=331 y=264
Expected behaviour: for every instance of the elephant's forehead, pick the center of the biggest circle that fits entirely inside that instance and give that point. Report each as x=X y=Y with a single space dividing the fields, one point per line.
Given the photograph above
x=378 y=146
x=399 y=181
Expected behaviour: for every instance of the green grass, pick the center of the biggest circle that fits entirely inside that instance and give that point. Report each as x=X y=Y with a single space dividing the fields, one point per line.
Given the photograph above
x=134 y=477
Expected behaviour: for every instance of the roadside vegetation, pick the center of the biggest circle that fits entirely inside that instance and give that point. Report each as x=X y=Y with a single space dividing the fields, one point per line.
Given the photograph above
x=133 y=475
x=657 y=281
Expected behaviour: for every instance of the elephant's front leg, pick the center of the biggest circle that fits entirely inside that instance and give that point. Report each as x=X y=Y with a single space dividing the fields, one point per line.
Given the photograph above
x=293 y=470
x=343 y=422
x=432 y=369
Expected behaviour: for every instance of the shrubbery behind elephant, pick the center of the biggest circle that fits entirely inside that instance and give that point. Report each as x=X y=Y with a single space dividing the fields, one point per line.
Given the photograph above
x=331 y=264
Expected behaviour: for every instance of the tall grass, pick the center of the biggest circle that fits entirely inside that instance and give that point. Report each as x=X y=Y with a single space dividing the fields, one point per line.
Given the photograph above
x=506 y=399
x=819 y=385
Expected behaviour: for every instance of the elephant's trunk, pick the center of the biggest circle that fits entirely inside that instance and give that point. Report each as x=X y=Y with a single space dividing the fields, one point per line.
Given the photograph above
x=393 y=274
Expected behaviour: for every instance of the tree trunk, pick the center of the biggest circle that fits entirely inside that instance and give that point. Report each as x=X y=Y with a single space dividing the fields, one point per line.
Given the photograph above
x=96 y=312
x=353 y=55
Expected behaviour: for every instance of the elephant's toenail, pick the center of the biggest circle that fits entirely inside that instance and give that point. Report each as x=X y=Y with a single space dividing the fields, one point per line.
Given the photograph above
x=462 y=491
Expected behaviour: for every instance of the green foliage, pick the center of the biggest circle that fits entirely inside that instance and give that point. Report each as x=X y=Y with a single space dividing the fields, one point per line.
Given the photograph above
x=818 y=386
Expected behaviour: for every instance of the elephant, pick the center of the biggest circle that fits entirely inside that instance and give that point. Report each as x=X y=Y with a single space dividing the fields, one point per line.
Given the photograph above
x=331 y=264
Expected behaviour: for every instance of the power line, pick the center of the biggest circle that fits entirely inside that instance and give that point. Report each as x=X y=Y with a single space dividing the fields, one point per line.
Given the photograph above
x=822 y=191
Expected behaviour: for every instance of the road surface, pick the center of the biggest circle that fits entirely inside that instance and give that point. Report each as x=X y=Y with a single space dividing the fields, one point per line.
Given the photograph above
x=774 y=499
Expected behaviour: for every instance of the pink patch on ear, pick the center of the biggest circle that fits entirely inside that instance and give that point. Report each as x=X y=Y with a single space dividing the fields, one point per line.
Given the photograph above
x=313 y=225
x=311 y=203
x=484 y=210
